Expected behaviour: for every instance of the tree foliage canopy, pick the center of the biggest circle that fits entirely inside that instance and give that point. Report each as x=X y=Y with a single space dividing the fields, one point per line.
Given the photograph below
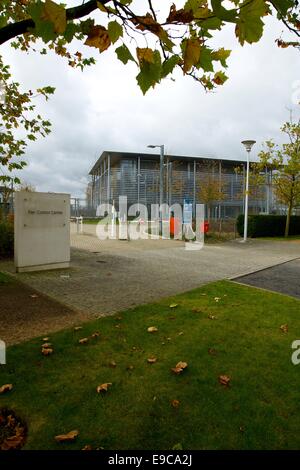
x=138 y=32
x=285 y=162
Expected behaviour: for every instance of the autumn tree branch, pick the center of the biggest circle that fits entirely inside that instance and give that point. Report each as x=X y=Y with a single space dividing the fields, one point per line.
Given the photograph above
x=13 y=30
x=284 y=20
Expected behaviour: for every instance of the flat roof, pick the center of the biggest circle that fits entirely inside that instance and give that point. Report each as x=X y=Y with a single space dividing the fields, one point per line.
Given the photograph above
x=115 y=156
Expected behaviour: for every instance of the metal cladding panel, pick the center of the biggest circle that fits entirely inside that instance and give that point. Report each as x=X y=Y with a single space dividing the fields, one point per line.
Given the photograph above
x=138 y=179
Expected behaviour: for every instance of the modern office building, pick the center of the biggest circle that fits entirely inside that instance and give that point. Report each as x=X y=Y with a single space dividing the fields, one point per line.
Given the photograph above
x=137 y=176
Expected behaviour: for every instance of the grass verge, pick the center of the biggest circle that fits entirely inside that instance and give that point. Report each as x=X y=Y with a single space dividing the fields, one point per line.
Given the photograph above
x=4 y=279
x=283 y=239
x=220 y=329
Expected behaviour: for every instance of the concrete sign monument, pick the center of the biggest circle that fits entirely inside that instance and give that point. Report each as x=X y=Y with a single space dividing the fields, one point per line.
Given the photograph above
x=42 y=231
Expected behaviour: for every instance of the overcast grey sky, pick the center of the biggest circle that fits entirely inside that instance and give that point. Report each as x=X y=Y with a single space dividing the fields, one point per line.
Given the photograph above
x=103 y=109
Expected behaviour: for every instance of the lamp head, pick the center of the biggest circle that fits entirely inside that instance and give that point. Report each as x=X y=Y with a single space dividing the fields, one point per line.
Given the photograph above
x=248 y=144
x=151 y=146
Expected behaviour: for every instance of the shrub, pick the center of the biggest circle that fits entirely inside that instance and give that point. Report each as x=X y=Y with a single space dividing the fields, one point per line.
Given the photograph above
x=6 y=239
x=268 y=225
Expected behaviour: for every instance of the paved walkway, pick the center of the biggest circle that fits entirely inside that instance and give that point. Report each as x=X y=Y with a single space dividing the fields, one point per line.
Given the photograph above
x=107 y=276
x=284 y=278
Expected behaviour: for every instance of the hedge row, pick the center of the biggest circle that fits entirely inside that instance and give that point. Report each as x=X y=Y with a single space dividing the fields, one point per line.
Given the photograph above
x=268 y=225
x=6 y=239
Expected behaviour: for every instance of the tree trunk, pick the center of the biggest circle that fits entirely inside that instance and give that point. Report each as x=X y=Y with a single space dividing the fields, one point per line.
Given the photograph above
x=288 y=219
x=290 y=208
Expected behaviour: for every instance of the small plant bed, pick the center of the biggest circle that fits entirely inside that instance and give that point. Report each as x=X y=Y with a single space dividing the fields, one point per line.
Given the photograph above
x=290 y=238
x=13 y=430
x=208 y=369
x=212 y=238
x=6 y=239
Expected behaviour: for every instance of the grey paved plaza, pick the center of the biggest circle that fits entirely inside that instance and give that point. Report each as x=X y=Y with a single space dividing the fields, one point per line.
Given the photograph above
x=111 y=275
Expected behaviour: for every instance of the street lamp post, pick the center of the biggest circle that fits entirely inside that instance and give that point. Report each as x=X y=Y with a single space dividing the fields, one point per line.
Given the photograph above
x=161 y=180
x=248 y=144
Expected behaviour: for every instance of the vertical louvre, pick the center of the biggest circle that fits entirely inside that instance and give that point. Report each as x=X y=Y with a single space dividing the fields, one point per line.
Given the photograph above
x=138 y=179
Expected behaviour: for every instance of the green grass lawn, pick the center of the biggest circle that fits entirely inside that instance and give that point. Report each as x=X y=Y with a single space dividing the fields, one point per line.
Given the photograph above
x=102 y=220
x=259 y=410
x=4 y=279
x=92 y=221
x=285 y=239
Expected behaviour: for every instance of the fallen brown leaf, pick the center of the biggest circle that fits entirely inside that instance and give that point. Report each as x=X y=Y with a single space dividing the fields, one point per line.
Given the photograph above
x=152 y=360
x=95 y=335
x=70 y=436
x=175 y=403
x=112 y=364
x=103 y=387
x=180 y=366
x=20 y=430
x=152 y=329
x=224 y=380
x=47 y=351
x=11 y=421
x=6 y=388
x=284 y=328
x=83 y=341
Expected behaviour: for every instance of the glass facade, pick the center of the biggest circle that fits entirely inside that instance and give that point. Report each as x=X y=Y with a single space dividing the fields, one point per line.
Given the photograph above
x=184 y=178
